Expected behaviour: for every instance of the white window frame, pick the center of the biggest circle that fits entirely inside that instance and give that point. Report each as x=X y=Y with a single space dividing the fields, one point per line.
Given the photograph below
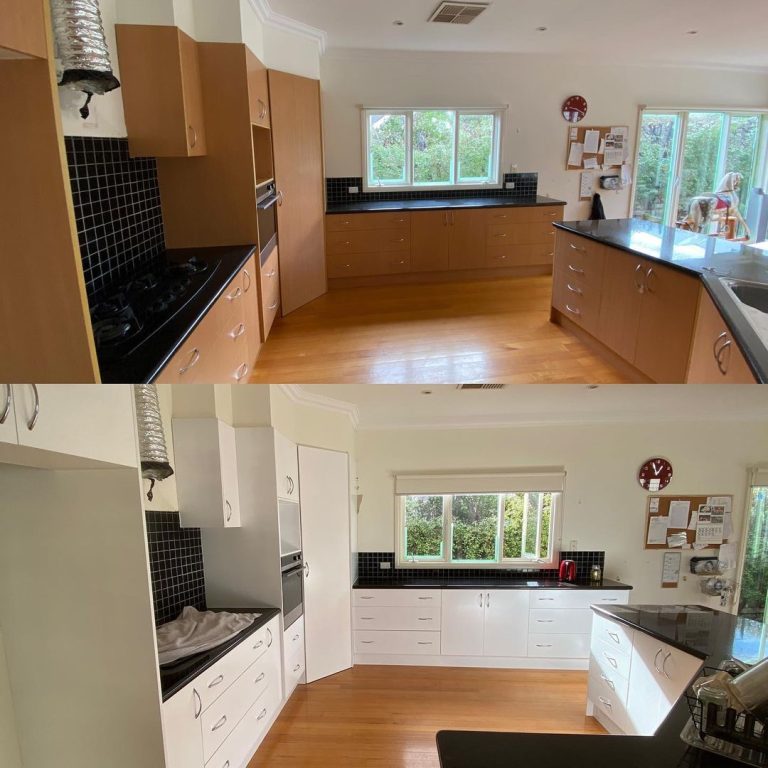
x=409 y=186
x=501 y=562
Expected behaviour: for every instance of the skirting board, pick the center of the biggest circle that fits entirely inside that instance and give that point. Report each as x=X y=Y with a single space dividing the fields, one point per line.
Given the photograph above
x=485 y=662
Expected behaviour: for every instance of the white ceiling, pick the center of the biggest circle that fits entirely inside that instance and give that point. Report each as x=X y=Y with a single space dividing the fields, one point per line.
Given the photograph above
x=404 y=405
x=652 y=31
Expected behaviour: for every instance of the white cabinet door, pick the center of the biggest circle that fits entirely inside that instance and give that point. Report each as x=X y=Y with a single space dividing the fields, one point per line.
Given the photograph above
x=182 y=732
x=93 y=421
x=644 y=701
x=325 y=524
x=461 y=623
x=506 y=623
x=7 y=417
x=230 y=493
x=677 y=672
x=287 y=468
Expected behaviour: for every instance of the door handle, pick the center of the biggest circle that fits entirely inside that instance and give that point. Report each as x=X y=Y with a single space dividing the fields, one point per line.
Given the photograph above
x=306 y=570
x=7 y=408
x=481 y=599
x=229 y=511
x=648 y=275
x=198 y=703
x=664 y=666
x=35 y=410
x=488 y=600
x=269 y=635
x=639 y=283
x=656 y=660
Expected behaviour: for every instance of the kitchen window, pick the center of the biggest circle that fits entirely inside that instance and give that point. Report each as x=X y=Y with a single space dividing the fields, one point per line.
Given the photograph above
x=495 y=521
x=430 y=149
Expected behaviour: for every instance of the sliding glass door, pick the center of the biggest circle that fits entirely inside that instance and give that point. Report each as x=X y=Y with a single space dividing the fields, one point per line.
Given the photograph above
x=753 y=595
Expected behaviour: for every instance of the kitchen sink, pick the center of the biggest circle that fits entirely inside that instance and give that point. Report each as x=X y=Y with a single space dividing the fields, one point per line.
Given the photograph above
x=754 y=295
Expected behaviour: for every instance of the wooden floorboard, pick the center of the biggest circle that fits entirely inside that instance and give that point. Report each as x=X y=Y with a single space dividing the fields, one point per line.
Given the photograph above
x=482 y=331
x=388 y=717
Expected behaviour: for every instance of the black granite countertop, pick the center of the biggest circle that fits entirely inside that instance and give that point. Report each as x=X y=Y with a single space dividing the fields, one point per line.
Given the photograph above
x=709 y=258
x=175 y=676
x=438 y=204
x=711 y=635
x=148 y=360
x=488 y=583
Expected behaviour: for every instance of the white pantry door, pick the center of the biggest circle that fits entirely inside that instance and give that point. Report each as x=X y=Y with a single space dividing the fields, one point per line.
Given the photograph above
x=325 y=509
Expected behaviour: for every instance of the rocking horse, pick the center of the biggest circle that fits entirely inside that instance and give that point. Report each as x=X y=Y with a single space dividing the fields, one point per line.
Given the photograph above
x=721 y=207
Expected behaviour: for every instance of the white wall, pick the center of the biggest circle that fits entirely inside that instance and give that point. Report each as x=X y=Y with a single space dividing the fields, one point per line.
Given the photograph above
x=287 y=52
x=604 y=506
x=534 y=87
x=9 y=746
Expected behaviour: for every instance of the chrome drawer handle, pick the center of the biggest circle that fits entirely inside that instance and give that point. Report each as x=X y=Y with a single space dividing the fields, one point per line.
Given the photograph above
x=664 y=666
x=639 y=284
x=236 y=333
x=262 y=715
x=610 y=600
x=614 y=637
x=260 y=677
x=220 y=724
x=226 y=765
x=295 y=638
x=608 y=682
x=198 y=703
x=269 y=635
x=606 y=703
x=274 y=306
x=236 y=295
x=193 y=361
x=193 y=139
x=545 y=621
x=258 y=645
x=424 y=642
x=297 y=668
x=36 y=410
x=218 y=681
x=241 y=372
x=423 y=598
x=502 y=235
x=577 y=270
x=573 y=311
x=545 y=599
x=7 y=408
x=577 y=248
x=367 y=642
x=612 y=661
x=370 y=597
x=366 y=618
x=250 y=282
x=262 y=109
x=229 y=510
x=648 y=275
x=272 y=273
x=577 y=291
x=427 y=619
x=543 y=645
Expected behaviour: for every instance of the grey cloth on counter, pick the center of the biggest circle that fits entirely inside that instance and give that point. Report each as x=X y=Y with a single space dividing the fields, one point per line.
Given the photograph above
x=195 y=631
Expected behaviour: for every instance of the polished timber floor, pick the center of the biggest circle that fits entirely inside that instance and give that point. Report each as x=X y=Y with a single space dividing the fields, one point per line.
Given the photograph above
x=484 y=331
x=388 y=717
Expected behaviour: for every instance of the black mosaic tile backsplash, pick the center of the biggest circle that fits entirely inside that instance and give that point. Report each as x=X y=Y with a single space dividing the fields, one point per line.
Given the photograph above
x=176 y=565
x=117 y=209
x=369 y=570
x=337 y=190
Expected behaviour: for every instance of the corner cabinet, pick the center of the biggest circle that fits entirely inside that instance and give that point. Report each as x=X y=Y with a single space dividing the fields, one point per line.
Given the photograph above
x=206 y=473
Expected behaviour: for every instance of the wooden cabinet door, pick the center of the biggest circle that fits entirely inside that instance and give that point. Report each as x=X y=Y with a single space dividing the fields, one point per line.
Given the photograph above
x=8 y=432
x=667 y=319
x=298 y=152
x=430 y=241
x=715 y=358
x=461 y=622
x=467 y=242
x=23 y=28
x=251 y=310
x=325 y=531
x=506 y=622
x=620 y=303
x=258 y=90
x=193 y=95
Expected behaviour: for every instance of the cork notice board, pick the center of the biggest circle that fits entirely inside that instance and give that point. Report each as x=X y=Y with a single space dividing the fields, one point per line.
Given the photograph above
x=662 y=507
x=612 y=147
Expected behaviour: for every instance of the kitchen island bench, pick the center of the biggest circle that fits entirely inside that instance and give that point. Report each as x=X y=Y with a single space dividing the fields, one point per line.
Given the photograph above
x=708 y=635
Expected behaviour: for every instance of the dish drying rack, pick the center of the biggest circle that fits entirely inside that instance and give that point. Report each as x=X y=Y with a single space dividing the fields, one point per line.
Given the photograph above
x=737 y=735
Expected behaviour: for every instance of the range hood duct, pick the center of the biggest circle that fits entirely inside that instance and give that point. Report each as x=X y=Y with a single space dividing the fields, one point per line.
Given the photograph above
x=82 y=50
x=153 y=453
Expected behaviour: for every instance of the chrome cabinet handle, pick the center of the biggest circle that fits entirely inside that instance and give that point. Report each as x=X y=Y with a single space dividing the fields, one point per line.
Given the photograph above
x=229 y=509
x=241 y=372
x=656 y=660
x=371 y=598
x=639 y=284
x=577 y=270
x=263 y=109
x=367 y=642
x=546 y=599
x=193 y=136
x=250 y=280
x=271 y=274
x=502 y=234
x=612 y=661
x=262 y=715
x=260 y=677
x=481 y=599
x=218 y=681
x=198 y=703
x=545 y=621
x=269 y=633
x=193 y=361
x=421 y=598
x=648 y=275
x=258 y=645
x=236 y=333
x=366 y=618
x=306 y=570
x=608 y=682
x=715 y=348
x=572 y=310
x=235 y=294
x=577 y=291
x=280 y=197
x=295 y=638
x=7 y=408
x=273 y=306
x=610 y=600
x=222 y=722
x=722 y=361
x=614 y=637
x=35 y=410
x=577 y=248
x=425 y=619
x=664 y=666
x=297 y=668
x=543 y=645
x=488 y=600
x=424 y=642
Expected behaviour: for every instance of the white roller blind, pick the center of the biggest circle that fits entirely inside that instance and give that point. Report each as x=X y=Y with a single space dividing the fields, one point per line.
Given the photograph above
x=759 y=476
x=424 y=485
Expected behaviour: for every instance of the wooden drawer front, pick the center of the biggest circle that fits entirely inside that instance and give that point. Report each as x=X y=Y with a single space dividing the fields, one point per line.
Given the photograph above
x=520 y=233
x=230 y=312
x=353 y=265
x=560 y=622
x=394 y=263
x=610 y=704
x=400 y=220
x=609 y=660
x=390 y=618
x=519 y=255
x=547 y=213
x=397 y=597
x=426 y=643
x=270 y=292
x=558 y=646
x=580 y=259
x=532 y=214
x=614 y=635
x=610 y=684
x=368 y=241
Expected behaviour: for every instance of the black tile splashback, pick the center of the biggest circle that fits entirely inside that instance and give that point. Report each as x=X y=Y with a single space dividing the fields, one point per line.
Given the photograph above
x=337 y=189
x=176 y=565
x=369 y=570
x=117 y=209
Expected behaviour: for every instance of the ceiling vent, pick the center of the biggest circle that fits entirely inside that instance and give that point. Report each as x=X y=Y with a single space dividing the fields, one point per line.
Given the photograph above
x=480 y=386
x=458 y=13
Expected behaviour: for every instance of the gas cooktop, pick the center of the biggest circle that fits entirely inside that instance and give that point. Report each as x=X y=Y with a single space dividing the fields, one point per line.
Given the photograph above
x=129 y=314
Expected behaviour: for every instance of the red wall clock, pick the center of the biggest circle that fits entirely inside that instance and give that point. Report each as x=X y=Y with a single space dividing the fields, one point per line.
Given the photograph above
x=655 y=474
x=575 y=109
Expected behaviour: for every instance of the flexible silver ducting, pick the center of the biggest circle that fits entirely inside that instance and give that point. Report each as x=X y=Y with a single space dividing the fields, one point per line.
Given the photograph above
x=82 y=49
x=152 y=449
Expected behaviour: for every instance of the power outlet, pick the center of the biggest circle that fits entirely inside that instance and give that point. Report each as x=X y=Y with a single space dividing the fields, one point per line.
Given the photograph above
x=385 y=566
x=574 y=545
x=509 y=185
x=353 y=190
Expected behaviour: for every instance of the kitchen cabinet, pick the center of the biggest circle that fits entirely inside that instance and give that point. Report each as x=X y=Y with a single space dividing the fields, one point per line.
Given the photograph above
x=206 y=473
x=467 y=241
x=620 y=304
x=269 y=292
x=715 y=357
x=325 y=525
x=294 y=653
x=461 y=626
x=23 y=30
x=181 y=728
x=287 y=468
x=298 y=157
x=91 y=422
x=431 y=237
x=8 y=433
x=252 y=310
x=165 y=120
x=258 y=90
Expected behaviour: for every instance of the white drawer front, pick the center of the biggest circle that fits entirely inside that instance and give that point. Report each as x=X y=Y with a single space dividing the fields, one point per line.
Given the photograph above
x=558 y=646
x=609 y=704
x=605 y=658
x=610 y=683
x=293 y=638
x=295 y=668
x=617 y=636
x=576 y=598
x=419 y=618
x=215 y=681
x=397 y=642
x=564 y=621
x=396 y=597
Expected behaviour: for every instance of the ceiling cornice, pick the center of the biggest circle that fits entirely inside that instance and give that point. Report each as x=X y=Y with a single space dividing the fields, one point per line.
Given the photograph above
x=297 y=394
x=271 y=18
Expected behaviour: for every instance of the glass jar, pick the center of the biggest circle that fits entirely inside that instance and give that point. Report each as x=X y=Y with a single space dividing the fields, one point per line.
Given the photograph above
x=596 y=575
